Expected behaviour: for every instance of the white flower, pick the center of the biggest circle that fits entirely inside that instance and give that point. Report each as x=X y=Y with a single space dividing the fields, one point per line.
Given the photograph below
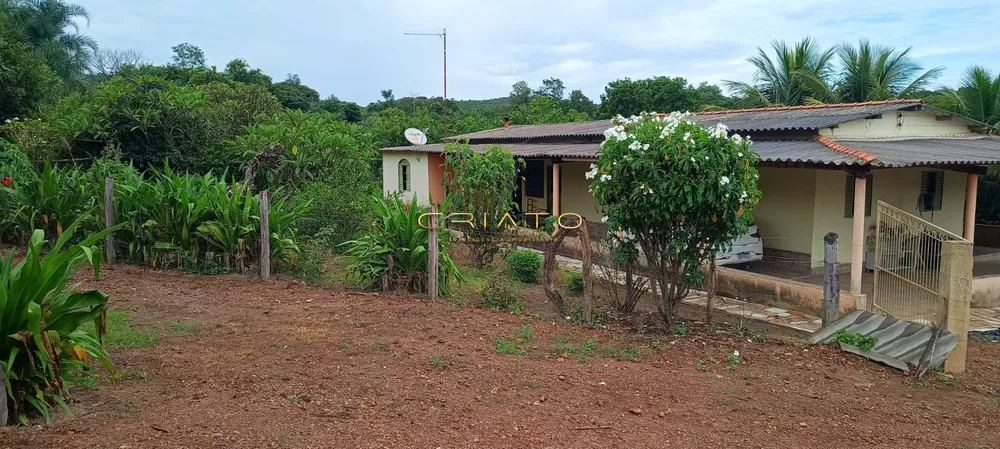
x=743 y=197
x=692 y=160
x=706 y=158
x=604 y=219
x=724 y=181
x=739 y=154
x=736 y=353
x=7 y=121
x=720 y=131
x=605 y=177
x=592 y=173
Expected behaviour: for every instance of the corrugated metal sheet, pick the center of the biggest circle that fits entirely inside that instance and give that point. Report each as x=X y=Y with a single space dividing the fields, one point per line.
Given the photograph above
x=897 y=342
x=774 y=119
x=526 y=150
x=942 y=151
x=804 y=151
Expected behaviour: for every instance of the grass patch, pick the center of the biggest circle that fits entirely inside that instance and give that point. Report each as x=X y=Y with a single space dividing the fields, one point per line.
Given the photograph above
x=583 y=351
x=122 y=333
x=508 y=347
x=184 y=328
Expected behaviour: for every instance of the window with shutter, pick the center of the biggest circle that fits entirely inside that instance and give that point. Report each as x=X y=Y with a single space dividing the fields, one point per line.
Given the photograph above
x=931 y=191
x=404 y=175
x=849 y=196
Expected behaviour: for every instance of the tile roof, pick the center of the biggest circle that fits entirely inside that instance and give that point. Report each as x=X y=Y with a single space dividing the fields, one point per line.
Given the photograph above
x=791 y=118
x=983 y=150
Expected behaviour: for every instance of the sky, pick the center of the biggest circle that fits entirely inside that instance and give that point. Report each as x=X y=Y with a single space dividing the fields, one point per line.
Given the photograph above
x=354 y=49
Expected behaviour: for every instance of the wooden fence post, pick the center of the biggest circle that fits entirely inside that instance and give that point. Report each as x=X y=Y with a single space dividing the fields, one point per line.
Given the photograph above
x=432 y=254
x=710 y=294
x=831 y=280
x=265 y=237
x=588 y=282
x=109 y=219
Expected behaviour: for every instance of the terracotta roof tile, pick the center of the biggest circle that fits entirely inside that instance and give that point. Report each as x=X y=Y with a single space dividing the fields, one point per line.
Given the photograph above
x=846 y=150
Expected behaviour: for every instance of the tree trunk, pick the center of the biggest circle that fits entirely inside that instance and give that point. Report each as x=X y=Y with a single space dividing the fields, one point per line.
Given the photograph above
x=549 y=265
x=711 y=289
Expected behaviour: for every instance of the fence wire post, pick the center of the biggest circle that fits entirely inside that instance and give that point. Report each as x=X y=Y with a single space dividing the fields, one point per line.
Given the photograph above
x=109 y=219
x=265 y=237
x=831 y=280
x=432 y=254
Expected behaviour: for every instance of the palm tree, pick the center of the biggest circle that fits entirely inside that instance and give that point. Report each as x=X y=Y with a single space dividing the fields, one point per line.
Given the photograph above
x=877 y=72
x=977 y=96
x=50 y=26
x=797 y=75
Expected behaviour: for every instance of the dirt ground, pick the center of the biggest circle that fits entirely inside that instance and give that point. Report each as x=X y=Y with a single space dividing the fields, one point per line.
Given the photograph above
x=283 y=365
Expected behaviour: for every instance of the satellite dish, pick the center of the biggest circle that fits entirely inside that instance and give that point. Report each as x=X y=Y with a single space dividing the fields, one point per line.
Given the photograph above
x=415 y=136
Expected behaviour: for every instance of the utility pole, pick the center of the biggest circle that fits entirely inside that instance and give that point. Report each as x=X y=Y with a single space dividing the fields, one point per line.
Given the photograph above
x=444 y=38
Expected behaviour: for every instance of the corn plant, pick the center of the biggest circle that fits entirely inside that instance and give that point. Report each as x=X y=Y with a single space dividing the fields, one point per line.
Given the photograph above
x=42 y=342
x=394 y=254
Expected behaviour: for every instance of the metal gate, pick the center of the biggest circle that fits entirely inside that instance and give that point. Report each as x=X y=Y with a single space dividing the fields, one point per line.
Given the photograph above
x=907 y=263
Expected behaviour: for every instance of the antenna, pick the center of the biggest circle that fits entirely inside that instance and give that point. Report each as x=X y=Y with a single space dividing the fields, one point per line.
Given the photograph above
x=444 y=38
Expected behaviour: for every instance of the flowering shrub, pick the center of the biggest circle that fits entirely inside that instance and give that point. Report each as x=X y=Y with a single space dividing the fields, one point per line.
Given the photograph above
x=676 y=190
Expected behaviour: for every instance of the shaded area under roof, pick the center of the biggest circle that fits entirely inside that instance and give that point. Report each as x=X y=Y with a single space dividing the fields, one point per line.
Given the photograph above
x=741 y=121
x=915 y=152
x=787 y=151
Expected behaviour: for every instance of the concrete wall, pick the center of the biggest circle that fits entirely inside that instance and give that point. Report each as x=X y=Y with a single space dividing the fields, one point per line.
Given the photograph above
x=910 y=124
x=898 y=187
x=762 y=289
x=784 y=215
x=574 y=195
x=419 y=182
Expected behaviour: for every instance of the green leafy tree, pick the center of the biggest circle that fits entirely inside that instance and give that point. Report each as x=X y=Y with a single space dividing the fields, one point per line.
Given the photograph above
x=544 y=109
x=349 y=111
x=793 y=76
x=977 y=96
x=520 y=94
x=187 y=56
x=475 y=122
x=240 y=71
x=678 y=191
x=627 y=97
x=481 y=184
x=317 y=147
x=26 y=82
x=387 y=126
x=51 y=27
x=387 y=96
x=552 y=87
x=877 y=72
x=294 y=95
x=579 y=102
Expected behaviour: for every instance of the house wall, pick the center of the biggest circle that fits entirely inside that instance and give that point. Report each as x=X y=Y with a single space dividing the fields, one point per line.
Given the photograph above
x=419 y=182
x=784 y=215
x=898 y=187
x=435 y=177
x=910 y=124
x=574 y=195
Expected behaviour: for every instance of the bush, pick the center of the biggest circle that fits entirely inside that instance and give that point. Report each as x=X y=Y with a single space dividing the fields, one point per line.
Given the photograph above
x=502 y=294
x=524 y=265
x=394 y=254
x=335 y=215
x=44 y=342
x=574 y=283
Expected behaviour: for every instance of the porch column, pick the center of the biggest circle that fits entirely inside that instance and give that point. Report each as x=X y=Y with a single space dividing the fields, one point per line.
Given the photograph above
x=556 y=207
x=971 y=191
x=858 y=234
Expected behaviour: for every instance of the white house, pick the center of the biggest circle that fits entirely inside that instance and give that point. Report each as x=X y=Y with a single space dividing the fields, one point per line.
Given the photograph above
x=822 y=168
